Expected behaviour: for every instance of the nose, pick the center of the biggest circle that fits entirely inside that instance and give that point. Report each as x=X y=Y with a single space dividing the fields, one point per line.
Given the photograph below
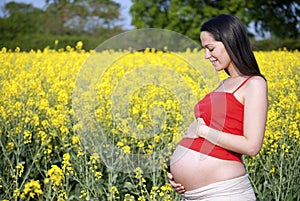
x=207 y=54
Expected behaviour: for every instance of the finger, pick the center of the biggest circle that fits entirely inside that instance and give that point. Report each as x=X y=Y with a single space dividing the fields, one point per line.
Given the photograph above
x=200 y=120
x=175 y=185
x=170 y=176
x=180 y=190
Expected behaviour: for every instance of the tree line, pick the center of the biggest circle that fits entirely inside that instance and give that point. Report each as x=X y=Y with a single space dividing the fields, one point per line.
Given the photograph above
x=94 y=21
x=65 y=21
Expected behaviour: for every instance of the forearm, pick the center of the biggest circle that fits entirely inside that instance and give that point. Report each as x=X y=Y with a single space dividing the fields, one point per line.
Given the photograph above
x=248 y=144
x=236 y=143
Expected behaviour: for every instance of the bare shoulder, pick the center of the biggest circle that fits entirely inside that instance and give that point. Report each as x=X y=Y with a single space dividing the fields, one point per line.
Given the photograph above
x=256 y=84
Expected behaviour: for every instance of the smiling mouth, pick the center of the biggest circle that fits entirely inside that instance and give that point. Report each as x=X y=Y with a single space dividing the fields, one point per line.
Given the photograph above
x=213 y=61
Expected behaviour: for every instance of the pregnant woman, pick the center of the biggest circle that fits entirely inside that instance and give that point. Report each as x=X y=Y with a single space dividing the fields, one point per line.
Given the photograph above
x=230 y=121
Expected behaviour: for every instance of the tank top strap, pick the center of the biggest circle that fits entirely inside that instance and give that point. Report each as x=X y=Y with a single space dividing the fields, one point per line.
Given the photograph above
x=244 y=82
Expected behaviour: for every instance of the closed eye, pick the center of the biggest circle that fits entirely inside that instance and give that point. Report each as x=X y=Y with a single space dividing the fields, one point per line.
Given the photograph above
x=209 y=48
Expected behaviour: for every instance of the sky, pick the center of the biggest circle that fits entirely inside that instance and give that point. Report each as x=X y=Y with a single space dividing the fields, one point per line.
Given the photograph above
x=125 y=6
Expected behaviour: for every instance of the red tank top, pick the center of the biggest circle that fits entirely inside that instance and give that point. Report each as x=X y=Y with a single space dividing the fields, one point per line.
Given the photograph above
x=221 y=111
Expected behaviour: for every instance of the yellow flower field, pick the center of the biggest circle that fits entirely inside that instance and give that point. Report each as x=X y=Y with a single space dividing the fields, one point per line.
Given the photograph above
x=79 y=125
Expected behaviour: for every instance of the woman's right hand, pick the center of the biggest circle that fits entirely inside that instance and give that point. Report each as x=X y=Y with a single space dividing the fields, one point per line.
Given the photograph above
x=177 y=187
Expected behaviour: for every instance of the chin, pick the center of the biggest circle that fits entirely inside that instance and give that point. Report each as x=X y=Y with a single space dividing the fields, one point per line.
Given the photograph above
x=218 y=69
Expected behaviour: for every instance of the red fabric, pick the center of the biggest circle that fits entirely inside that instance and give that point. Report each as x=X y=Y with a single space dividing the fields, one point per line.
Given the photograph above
x=221 y=111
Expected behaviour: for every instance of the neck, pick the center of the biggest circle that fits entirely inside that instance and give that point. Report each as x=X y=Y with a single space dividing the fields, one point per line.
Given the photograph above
x=235 y=75
x=234 y=72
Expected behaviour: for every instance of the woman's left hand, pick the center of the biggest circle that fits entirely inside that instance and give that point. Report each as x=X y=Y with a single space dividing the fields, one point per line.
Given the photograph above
x=196 y=129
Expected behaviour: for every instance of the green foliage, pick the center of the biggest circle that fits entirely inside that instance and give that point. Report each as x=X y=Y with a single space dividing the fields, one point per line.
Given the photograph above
x=22 y=20
x=280 y=18
x=81 y=16
x=276 y=44
x=275 y=175
x=66 y=21
x=183 y=16
x=40 y=41
x=93 y=21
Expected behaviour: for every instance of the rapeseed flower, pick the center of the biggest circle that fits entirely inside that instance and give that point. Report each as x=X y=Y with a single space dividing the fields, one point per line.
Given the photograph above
x=32 y=188
x=40 y=125
x=55 y=175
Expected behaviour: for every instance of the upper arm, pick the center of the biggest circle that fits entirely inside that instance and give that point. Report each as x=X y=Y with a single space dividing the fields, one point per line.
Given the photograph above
x=255 y=111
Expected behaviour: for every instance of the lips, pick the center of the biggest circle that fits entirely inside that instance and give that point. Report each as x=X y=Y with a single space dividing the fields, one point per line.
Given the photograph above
x=213 y=61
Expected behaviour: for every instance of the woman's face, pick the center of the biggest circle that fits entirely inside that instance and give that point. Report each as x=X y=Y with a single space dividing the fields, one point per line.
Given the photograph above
x=215 y=52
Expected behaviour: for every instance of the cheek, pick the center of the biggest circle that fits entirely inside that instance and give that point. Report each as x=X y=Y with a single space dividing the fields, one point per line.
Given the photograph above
x=225 y=59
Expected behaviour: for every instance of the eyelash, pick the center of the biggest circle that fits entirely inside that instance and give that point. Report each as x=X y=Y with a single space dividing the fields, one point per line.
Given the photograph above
x=212 y=49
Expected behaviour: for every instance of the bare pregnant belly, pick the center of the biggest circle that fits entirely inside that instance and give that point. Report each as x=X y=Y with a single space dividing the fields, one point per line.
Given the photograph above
x=194 y=170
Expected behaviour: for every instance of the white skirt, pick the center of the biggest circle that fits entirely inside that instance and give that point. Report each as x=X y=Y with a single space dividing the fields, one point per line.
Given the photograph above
x=237 y=189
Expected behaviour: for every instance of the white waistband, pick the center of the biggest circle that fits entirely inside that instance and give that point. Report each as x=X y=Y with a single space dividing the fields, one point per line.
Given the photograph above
x=236 y=189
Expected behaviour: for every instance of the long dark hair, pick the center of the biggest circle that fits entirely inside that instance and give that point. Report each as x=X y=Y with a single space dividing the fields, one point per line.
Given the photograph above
x=231 y=32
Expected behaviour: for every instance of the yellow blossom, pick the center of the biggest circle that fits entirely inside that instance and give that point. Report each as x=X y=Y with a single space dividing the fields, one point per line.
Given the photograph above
x=138 y=172
x=55 y=174
x=128 y=197
x=272 y=170
x=10 y=146
x=16 y=192
x=75 y=140
x=32 y=189
x=126 y=149
x=20 y=169
x=36 y=109
x=140 y=144
x=27 y=137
